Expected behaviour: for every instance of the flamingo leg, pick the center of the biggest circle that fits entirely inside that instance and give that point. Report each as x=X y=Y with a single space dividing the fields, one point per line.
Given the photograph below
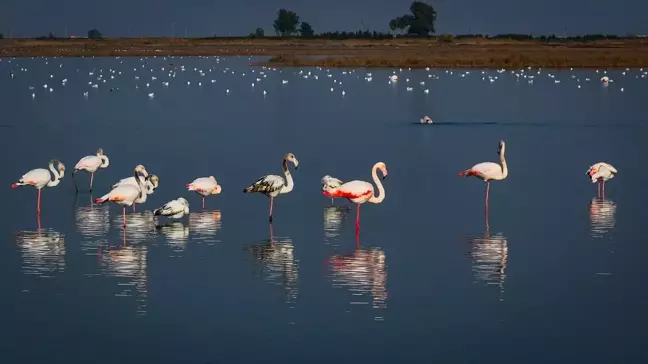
x=271 y=203
x=91 y=179
x=358 y=218
x=203 y=202
x=125 y=218
x=133 y=207
x=603 y=188
x=331 y=201
x=38 y=203
x=487 y=192
x=74 y=180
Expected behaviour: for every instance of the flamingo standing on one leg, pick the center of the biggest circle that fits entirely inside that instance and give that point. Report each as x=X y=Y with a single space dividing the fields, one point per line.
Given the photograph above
x=272 y=185
x=330 y=183
x=489 y=171
x=600 y=173
x=205 y=186
x=90 y=164
x=126 y=194
x=40 y=177
x=151 y=182
x=360 y=192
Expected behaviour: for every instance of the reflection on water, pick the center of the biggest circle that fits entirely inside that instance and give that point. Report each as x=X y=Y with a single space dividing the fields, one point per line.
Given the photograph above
x=92 y=221
x=490 y=258
x=175 y=233
x=364 y=274
x=128 y=264
x=602 y=214
x=140 y=226
x=277 y=264
x=43 y=252
x=333 y=218
x=205 y=225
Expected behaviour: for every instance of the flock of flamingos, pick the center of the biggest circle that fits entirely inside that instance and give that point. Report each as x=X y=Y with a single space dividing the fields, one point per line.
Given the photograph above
x=134 y=190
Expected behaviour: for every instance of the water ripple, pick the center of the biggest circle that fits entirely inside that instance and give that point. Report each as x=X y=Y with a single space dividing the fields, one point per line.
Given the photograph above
x=129 y=265
x=43 y=252
x=205 y=225
x=333 y=219
x=602 y=214
x=489 y=254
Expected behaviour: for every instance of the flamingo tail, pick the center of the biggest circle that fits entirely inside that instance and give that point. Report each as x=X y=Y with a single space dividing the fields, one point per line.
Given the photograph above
x=466 y=173
x=101 y=199
x=190 y=187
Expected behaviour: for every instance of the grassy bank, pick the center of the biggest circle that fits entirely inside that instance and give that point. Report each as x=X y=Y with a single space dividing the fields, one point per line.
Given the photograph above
x=399 y=52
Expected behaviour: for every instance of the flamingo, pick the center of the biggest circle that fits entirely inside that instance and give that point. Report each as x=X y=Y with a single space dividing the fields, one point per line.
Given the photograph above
x=126 y=194
x=426 y=120
x=150 y=184
x=600 y=173
x=205 y=186
x=90 y=164
x=40 y=177
x=360 y=192
x=272 y=185
x=174 y=209
x=132 y=180
x=330 y=183
x=488 y=171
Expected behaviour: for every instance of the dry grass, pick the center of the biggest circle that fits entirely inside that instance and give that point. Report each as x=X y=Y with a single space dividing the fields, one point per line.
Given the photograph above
x=470 y=52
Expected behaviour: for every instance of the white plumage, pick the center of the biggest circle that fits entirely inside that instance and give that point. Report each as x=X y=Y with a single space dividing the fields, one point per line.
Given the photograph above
x=175 y=209
x=125 y=194
x=90 y=164
x=272 y=185
x=205 y=186
x=40 y=177
x=600 y=173
x=330 y=183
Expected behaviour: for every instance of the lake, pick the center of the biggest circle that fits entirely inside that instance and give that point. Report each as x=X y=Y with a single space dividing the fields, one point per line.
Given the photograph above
x=552 y=274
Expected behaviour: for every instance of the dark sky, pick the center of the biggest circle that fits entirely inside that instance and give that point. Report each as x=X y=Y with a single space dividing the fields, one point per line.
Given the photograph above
x=240 y=17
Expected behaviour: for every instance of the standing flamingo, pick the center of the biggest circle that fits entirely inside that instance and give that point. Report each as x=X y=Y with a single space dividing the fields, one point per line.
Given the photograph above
x=272 y=185
x=126 y=194
x=205 y=186
x=40 y=177
x=150 y=184
x=600 y=173
x=360 y=192
x=488 y=171
x=330 y=183
x=90 y=164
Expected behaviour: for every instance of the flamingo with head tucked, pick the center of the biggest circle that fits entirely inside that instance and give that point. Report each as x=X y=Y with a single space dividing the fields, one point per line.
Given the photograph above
x=489 y=171
x=360 y=192
x=40 y=177
x=125 y=194
x=272 y=185
x=174 y=209
x=600 y=173
x=330 y=183
x=90 y=164
x=205 y=186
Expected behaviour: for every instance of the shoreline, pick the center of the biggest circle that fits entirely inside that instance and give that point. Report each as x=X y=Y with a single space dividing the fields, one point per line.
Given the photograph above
x=357 y=53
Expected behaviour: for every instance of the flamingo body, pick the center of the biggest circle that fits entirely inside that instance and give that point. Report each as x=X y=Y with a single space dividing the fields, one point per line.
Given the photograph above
x=175 y=209
x=205 y=186
x=41 y=177
x=489 y=171
x=601 y=171
x=126 y=195
x=272 y=185
x=330 y=183
x=91 y=164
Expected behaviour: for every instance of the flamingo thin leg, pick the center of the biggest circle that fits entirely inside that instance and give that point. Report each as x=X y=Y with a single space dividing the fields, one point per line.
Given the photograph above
x=38 y=203
x=133 y=207
x=271 y=203
x=203 y=202
x=358 y=218
x=91 y=179
x=487 y=192
x=125 y=217
x=603 y=188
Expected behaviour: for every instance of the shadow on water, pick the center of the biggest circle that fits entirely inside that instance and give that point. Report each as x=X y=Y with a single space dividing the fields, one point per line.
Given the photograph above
x=489 y=254
x=276 y=263
x=42 y=251
x=205 y=225
x=127 y=264
x=334 y=217
x=364 y=274
x=602 y=214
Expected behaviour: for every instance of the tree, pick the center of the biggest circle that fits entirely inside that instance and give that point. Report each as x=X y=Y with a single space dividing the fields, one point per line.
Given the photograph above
x=1 y=36
x=259 y=32
x=306 y=30
x=94 y=34
x=51 y=35
x=286 y=23
x=420 y=22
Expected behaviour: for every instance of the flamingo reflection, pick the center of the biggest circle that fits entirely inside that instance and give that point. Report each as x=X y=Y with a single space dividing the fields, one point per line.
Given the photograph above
x=205 y=224
x=42 y=250
x=602 y=214
x=490 y=258
x=176 y=234
x=364 y=274
x=278 y=264
x=333 y=219
x=129 y=266
x=92 y=221
x=139 y=227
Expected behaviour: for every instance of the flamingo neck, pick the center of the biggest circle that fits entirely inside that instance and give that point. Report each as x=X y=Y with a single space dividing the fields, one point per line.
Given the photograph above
x=141 y=183
x=381 y=189
x=503 y=161
x=289 y=181
x=57 y=176
x=105 y=162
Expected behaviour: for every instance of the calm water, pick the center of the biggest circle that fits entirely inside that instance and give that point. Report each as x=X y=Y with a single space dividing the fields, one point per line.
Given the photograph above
x=553 y=275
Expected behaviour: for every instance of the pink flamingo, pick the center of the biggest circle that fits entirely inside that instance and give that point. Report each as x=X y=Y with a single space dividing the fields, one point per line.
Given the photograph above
x=272 y=185
x=600 y=173
x=90 y=164
x=40 y=177
x=360 y=192
x=489 y=171
x=205 y=186
x=125 y=194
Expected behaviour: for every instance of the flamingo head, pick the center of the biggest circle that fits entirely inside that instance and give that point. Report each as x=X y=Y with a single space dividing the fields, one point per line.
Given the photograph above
x=217 y=190
x=99 y=152
x=140 y=169
x=291 y=158
x=501 y=147
x=155 y=180
x=383 y=168
x=60 y=166
x=183 y=201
